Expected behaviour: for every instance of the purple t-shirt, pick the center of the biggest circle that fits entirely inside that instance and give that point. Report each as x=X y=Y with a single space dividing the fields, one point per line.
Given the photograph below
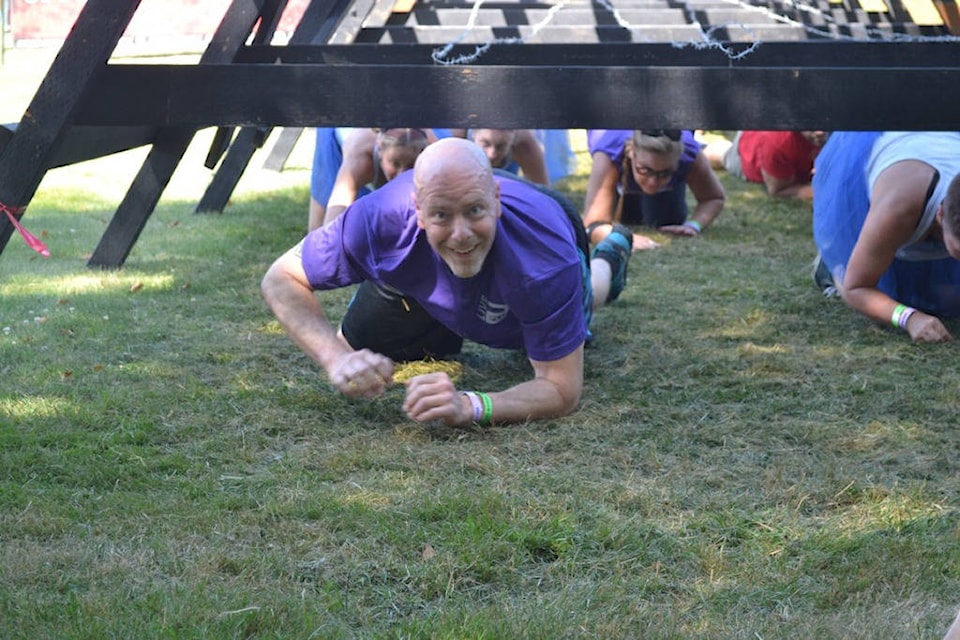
x=611 y=142
x=528 y=295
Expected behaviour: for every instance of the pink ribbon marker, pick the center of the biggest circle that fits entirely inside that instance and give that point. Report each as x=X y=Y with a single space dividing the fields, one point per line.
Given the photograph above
x=32 y=241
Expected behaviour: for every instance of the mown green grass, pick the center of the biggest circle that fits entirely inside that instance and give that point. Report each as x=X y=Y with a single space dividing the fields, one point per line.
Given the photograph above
x=750 y=460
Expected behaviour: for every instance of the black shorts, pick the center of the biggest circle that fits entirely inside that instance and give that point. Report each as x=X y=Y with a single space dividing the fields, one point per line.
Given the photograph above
x=387 y=322
x=666 y=207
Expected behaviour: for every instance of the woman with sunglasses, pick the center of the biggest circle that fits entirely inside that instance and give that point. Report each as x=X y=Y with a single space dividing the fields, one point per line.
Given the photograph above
x=641 y=178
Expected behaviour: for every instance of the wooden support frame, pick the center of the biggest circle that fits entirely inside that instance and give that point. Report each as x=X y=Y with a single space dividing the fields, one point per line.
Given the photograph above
x=319 y=22
x=791 y=85
x=172 y=141
x=780 y=85
x=26 y=156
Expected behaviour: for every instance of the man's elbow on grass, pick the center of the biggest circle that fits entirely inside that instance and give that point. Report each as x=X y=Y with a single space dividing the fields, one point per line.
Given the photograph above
x=782 y=187
x=569 y=395
x=570 y=403
x=268 y=284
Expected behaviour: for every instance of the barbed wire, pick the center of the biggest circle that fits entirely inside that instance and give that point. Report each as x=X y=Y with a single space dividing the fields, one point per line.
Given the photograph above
x=441 y=53
x=706 y=40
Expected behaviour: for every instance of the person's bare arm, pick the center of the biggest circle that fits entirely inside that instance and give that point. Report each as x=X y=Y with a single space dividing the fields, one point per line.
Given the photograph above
x=554 y=391
x=291 y=299
x=316 y=213
x=786 y=187
x=709 y=194
x=355 y=171
x=601 y=194
x=896 y=205
x=601 y=199
x=529 y=155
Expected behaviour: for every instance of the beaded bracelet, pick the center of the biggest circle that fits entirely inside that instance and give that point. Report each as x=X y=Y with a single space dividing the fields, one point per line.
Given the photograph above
x=693 y=224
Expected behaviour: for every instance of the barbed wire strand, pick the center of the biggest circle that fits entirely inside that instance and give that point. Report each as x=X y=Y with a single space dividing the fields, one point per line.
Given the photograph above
x=706 y=41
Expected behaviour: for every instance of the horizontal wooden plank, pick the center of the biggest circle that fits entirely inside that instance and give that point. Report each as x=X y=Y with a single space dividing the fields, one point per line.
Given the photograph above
x=710 y=97
x=822 y=53
x=440 y=36
x=659 y=15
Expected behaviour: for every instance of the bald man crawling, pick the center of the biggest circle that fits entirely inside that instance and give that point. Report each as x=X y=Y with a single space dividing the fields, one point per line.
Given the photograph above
x=447 y=252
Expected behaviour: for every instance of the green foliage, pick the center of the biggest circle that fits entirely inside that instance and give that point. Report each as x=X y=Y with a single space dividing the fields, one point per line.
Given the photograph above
x=750 y=460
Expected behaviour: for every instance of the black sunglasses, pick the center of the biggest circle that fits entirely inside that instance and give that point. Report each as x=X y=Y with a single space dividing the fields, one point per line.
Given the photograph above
x=673 y=134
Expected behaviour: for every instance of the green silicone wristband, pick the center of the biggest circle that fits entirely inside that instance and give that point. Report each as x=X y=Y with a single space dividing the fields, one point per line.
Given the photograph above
x=487 y=408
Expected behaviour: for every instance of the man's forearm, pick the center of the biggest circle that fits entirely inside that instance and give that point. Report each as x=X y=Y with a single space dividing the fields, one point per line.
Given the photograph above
x=535 y=399
x=299 y=313
x=554 y=391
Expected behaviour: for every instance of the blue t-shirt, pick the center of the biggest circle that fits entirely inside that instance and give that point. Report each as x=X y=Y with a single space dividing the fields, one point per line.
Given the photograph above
x=528 y=294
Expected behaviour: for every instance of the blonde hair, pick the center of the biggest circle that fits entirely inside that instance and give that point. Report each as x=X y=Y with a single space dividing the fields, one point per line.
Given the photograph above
x=659 y=142
x=416 y=139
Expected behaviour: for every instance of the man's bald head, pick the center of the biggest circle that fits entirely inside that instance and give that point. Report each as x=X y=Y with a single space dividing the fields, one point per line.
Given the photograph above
x=451 y=157
x=458 y=203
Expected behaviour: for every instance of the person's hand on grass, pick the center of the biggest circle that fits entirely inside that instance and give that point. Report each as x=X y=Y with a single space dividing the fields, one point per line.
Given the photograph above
x=362 y=374
x=680 y=230
x=433 y=396
x=926 y=328
x=643 y=243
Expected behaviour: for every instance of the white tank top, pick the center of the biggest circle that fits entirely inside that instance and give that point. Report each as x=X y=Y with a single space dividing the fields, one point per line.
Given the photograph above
x=940 y=150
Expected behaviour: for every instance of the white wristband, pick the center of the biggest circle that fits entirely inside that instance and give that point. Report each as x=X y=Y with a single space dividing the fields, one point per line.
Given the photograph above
x=476 y=404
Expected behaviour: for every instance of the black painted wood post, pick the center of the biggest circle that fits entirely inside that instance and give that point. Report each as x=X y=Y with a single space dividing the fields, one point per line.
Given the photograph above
x=319 y=21
x=171 y=144
x=25 y=158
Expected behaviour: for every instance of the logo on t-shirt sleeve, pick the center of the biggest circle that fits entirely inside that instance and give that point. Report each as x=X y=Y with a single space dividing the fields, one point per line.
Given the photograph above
x=491 y=312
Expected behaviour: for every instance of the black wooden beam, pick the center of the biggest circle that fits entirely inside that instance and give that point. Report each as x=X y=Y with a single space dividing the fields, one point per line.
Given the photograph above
x=170 y=142
x=810 y=53
x=524 y=96
x=319 y=21
x=24 y=159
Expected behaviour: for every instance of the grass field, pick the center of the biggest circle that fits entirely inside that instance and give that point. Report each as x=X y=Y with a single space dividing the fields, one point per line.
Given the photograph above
x=750 y=460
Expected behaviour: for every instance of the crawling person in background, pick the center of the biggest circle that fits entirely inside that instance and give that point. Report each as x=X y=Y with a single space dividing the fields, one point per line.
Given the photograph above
x=782 y=161
x=447 y=252
x=641 y=178
x=352 y=162
x=517 y=151
x=886 y=222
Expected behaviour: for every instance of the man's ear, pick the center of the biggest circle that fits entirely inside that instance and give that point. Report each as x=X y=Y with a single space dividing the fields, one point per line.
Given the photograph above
x=416 y=204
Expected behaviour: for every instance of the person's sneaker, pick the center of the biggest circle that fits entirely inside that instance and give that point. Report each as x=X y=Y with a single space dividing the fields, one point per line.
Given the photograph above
x=616 y=249
x=823 y=278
